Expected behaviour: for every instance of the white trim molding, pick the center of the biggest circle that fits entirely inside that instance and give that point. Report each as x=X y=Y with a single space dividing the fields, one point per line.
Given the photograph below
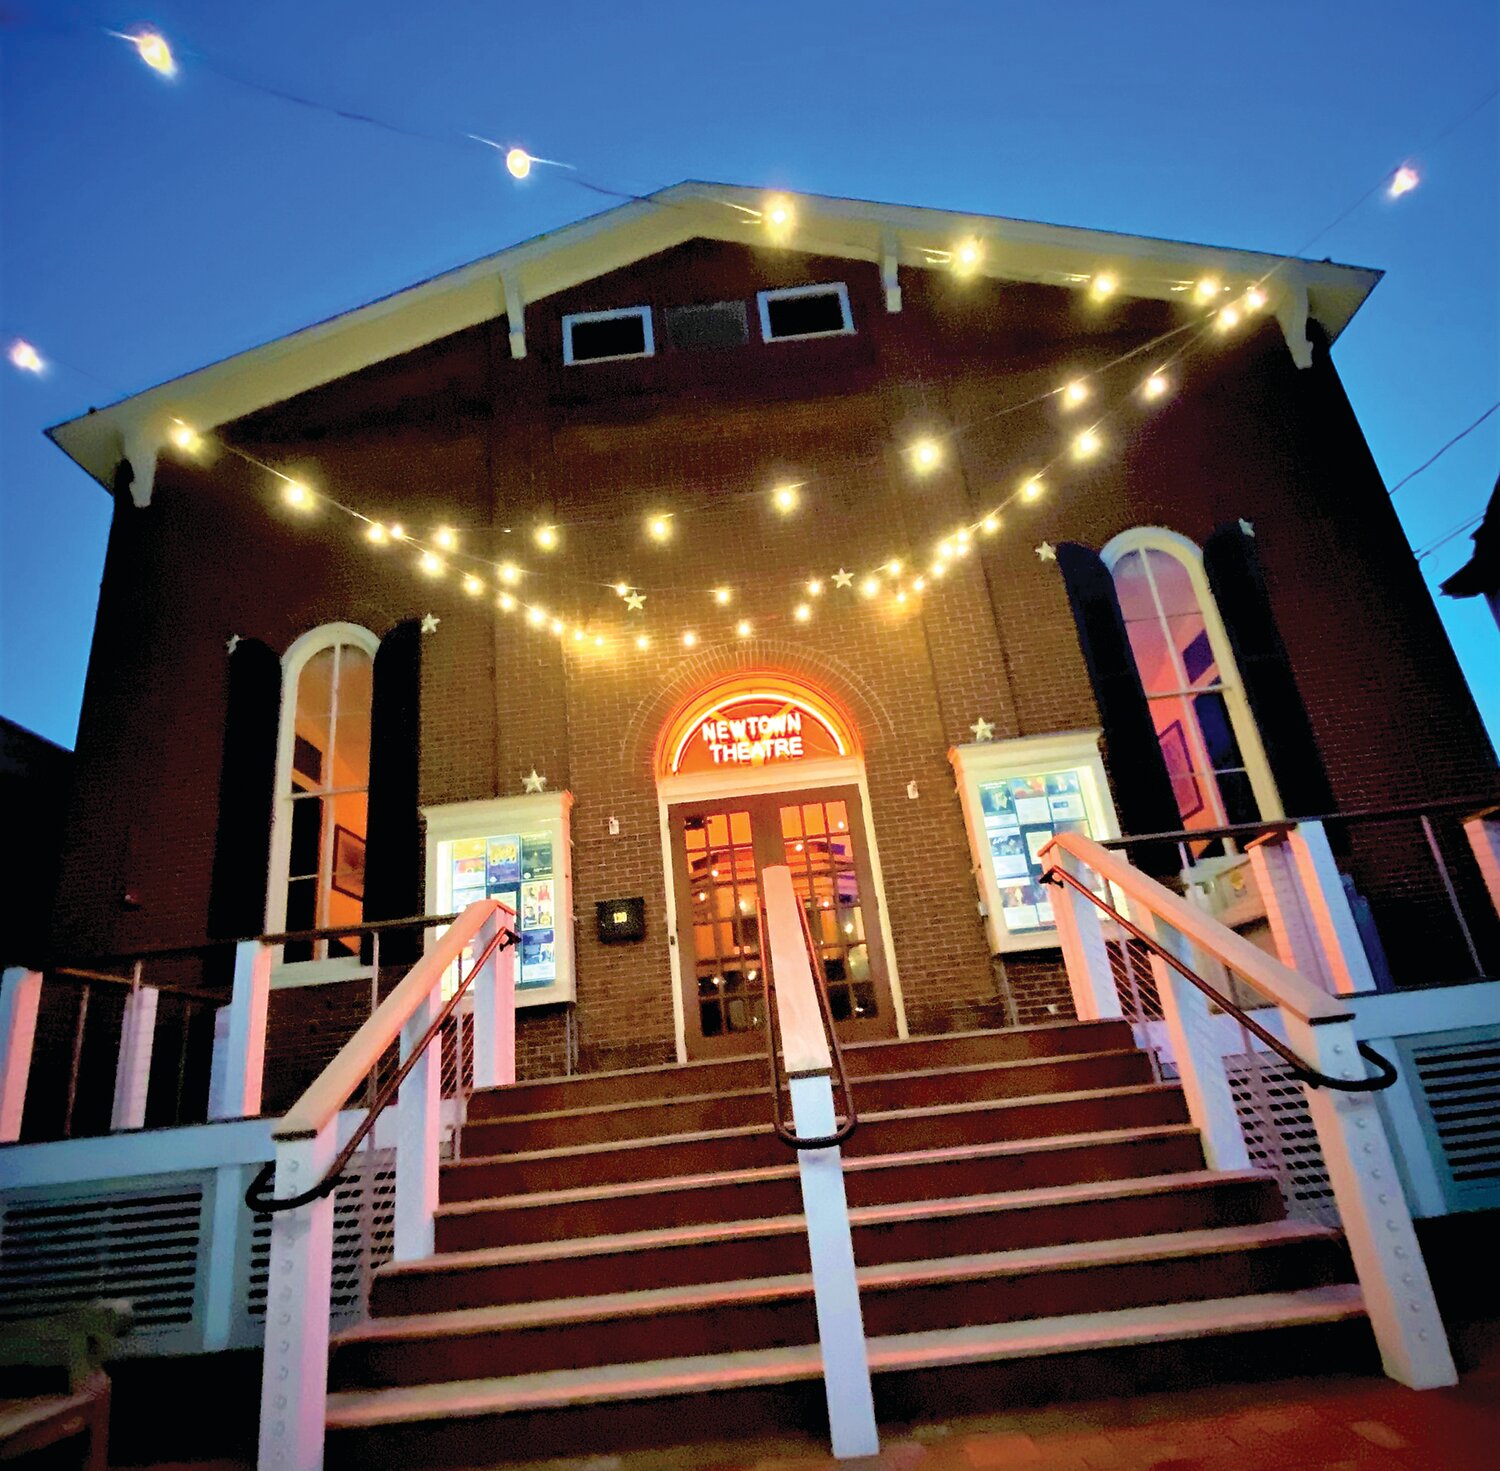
x=573 y=319
x=763 y=300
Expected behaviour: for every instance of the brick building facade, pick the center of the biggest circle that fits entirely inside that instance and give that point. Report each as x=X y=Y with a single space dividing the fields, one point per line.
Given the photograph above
x=440 y=422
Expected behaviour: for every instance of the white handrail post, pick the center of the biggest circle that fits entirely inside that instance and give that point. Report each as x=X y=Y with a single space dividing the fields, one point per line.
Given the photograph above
x=133 y=1069
x=1483 y=833
x=1085 y=955
x=494 y=992
x=825 y=1205
x=418 y=1121
x=1196 y=1044
x=1310 y=915
x=1372 y=1205
x=235 y=1090
x=20 y=995
x=294 y=1382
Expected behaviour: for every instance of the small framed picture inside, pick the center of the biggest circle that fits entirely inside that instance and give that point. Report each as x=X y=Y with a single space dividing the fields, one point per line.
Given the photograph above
x=348 y=863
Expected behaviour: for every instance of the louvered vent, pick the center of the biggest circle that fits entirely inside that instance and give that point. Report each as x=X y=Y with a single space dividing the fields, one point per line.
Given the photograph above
x=1457 y=1075
x=139 y=1243
x=364 y=1219
x=716 y=324
x=1280 y=1135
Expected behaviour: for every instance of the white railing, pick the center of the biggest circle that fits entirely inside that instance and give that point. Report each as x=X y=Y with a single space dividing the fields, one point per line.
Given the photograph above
x=294 y=1389
x=825 y=1207
x=1317 y=1026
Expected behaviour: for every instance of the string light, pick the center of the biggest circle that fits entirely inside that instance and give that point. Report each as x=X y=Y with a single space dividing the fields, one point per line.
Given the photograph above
x=689 y=639
x=536 y=616
x=1087 y=445
x=295 y=493
x=967 y=256
x=990 y=525
x=517 y=163
x=622 y=589
x=152 y=48
x=802 y=612
x=939 y=567
x=870 y=586
x=918 y=584
x=1035 y=487
x=557 y=625
x=598 y=640
x=1103 y=285
x=1075 y=393
x=398 y=531
x=659 y=528
x=1155 y=385
x=815 y=587
x=926 y=454
x=722 y=595
x=784 y=498
x=25 y=357
x=444 y=537
x=1206 y=288
x=1228 y=318
x=506 y=603
x=577 y=635
x=377 y=534
x=743 y=628
x=546 y=538
x=642 y=642
x=894 y=567
x=779 y=215
x=472 y=585
x=961 y=543
x=431 y=564
x=1255 y=298
x=508 y=573
x=185 y=438
x=1403 y=181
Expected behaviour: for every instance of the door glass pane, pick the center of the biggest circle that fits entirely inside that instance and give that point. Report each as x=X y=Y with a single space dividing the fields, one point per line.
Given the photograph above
x=724 y=893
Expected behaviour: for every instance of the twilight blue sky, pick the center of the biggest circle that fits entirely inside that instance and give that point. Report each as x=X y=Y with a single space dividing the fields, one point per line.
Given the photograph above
x=148 y=227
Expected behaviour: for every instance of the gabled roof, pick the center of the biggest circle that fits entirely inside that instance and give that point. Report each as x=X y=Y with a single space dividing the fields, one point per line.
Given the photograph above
x=886 y=234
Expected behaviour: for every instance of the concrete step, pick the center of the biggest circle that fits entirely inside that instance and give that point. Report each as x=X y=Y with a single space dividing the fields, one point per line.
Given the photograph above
x=488 y=1171
x=983 y=1169
x=942 y=1371
x=589 y=1090
x=777 y=1246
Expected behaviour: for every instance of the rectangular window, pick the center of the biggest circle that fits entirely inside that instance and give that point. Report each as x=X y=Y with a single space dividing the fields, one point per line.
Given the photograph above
x=798 y=312
x=715 y=325
x=608 y=337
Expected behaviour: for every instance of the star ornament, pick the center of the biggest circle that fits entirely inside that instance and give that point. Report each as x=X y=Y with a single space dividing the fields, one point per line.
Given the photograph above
x=635 y=601
x=1047 y=552
x=843 y=579
x=232 y=642
x=430 y=624
x=984 y=730
x=534 y=782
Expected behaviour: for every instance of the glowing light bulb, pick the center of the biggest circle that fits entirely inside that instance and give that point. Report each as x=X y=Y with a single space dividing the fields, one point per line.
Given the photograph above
x=506 y=603
x=918 y=583
x=295 y=493
x=1229 y=318
x=377 y=533
x=659 y=528
x=642 y=642
x=894 y=566
x=536 y=616
x=398 y=531
x=945 y=550
x=778 y=214
x=508 y=573
x=901 y=595
x=622 y=588
x=870 y=586
x=990 y=525
x=689 y=639
x=1206 y=288
x=152 y=48
x=743 y=628
x=1034 y=488
x=1403 y=181
x=939 y=568
x=722 y=595
x=185 y=438
x=25 y=357
x=1255 y=299
x=1103 y=285
x=1087 y=444
x=577 y=635
x=925 y=454
x=961 y=542
x=598 y=640
x=472 y=585
x=966 y=257
x=784 y=498
x=445 y=537
x=431 y=564
x=557 y=625
x=802 y=612
x=546 y=537
x=815 y=587
x=1155 y=385
x=518 y=163
x=1075 y=393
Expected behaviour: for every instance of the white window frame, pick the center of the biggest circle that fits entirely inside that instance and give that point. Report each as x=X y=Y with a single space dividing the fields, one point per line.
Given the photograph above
x=572 y=318
x=763 y=300
x=302 y=972
x=1231 y=686
x=989 y=761
x=549 y=812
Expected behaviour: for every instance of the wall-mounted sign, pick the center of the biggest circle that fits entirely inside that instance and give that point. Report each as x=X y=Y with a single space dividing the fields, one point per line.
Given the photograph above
x=751 y=726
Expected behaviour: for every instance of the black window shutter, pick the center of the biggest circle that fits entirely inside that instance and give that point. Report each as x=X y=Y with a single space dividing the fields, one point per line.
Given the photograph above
x=395 y=876
x=1234 y=574
x=247 y=789
x=1143 y=790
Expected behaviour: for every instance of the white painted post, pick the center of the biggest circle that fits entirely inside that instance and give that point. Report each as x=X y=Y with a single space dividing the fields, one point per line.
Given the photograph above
x=235 y=1089
x=20 y=995
x=1292 y=931
x=294 y=1382
x=1197 y=1045
x=1372 y=1205
x=841 y=1329
x=1483 y=833
x=133 y=1070
x=1090 y=975
x=418 y=1107
x=494 y=993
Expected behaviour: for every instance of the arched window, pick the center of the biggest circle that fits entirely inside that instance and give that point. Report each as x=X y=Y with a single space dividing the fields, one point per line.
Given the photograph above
x=322 y=789
x=1207 y=734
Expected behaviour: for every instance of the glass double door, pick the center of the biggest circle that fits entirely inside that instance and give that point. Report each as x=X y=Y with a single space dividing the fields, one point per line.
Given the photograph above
x=719 y=849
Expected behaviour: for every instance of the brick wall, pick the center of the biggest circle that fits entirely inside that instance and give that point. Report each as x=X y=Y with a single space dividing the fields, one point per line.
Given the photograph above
x=459 y=432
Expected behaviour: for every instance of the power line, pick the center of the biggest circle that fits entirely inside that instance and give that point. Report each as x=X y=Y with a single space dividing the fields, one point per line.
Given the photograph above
x=1444 y=450
x=1443 y=540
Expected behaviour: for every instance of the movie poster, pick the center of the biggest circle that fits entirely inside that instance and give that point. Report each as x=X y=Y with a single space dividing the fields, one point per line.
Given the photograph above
x=1022 y=814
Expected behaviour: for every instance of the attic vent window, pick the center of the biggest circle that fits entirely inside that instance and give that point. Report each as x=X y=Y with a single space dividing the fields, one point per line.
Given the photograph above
x=805 y=311
x=607 y=337
x=715 y=324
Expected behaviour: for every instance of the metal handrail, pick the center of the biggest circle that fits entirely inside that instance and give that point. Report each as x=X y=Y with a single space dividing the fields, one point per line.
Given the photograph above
x=785 y=1133
x=257 y=1198
x=1306 y=1073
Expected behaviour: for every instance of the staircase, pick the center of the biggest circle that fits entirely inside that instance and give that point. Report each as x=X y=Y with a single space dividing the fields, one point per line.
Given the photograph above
x=621 y=1263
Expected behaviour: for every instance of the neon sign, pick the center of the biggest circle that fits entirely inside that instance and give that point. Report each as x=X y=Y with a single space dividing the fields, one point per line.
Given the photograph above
x=752 y=727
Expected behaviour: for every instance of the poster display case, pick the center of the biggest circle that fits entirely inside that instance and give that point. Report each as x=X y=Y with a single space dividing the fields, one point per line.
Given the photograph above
x=517 y=850
x=1016 y=796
